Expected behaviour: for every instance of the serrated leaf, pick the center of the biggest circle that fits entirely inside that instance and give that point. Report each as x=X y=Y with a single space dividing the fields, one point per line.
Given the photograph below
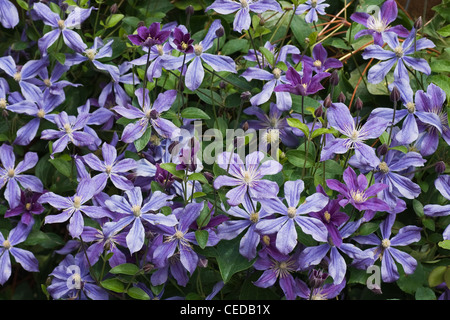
x=125 y=268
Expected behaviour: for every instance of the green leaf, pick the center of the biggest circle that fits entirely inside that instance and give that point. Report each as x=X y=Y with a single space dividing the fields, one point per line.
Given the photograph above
x=445 y=244
x=445 y=31
x=138 y=293
x=233 y=46
x=62 y=166
x=23 y=4
x=296 y=123
x=125 y=268
x=297 y=158
x=447 y=277
x=418 y=208
x=197 y=176
x=202 y=238
x=436 y=276
x=171 y=167
x=320 y=132
x=368 y=228
x=194 y=113
x=112 y=20
x=423 y=293
x=113 y=284
x=268 y=55
x=142 y=142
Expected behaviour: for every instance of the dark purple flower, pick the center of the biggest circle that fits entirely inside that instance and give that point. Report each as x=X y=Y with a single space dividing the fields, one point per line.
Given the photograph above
x=379 y=23
x=319 y=61
x=183 y=40
x=27 y=207
x=303 y=84
x=248 y=177
x=8 y=247
x=357 y=192
x=71 y=280
x=148 y=37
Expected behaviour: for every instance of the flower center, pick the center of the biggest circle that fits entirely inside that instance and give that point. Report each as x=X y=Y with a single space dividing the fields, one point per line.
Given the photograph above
x=3 y=103
x=327 y=216
x=317 y=64
x=244 y=3
x=276 y=73
x=136 y=210
x=28 y=206
x=76 y=278
x=383 y=167
x=160 y=49
x=6 y=244
x=17 y=76
x=247 y=177
x=155 y=140
x=358 y=196
x=198 y=49
x=313 y=3
x=11 y=172
x=272 y=135
x=108 y=169
x=292 y=212
x=47 y=82
x=179 y=234
x=266 y=240
x=399 y=51
x=41 y=113
x=184 y=45
x=386 y=243
x=68 y=128
x=411 y=106
x=77 y=202
x=376 y=24
x=354 y=136
x=90 y=53
x=254 y=217
x=61 y=24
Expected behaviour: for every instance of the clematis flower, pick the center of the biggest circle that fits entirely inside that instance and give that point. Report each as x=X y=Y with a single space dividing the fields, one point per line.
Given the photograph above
x=242 y=20
x=314 y=8
x=9 y=16
x=339 y=117
x=136 y=212
x=326 y=292
x=27 y=207
x=319 y=61
x=71 y=280
x=280 y=55
x=182 y=40
x=275 y=125
x=442 y=184
x=111 y=167
x=247 y=178
x=158 y=54
x=379 y=23
x=385 y=248
x=195 y=71
x=24 y=75
x=291 y=214
x=400 y=54
x=179 y=237
x=250 y=217
x=8 y=248
x=53 y=82
x=357 y=191
x=73 y=207
x=69 y=131
x=303 y=84
x=11 y=175
x=148 y=114
x=148 y=37
x=61 y=27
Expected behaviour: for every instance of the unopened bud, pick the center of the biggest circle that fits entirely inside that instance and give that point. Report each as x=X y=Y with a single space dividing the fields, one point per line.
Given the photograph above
x=440 y=167
x=114 y=8
x=418 y=23
x=327 y=102
x=209 y=176
x=141 y=24
x=245 y=126
x=189 y=10
x=358 y=104
x=245 y=96
x=318 y=112
x=222 y=85
x=382 y=150
x=64 y=6
x=334 y=78
x=220 y=32
x=341 y=98
x=395 y=94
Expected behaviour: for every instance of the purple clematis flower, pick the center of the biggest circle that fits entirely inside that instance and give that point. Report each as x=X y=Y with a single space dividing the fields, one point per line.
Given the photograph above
x=379 y=23
x=71 y=280
x=73 y=207
x=27 y=207
x=276 y=125
x=386 y=252
x=315 y=8
x=61 y=27
x=357 y=192
x=8 y=247
x=135 y=213
x=11 y=175
x=9 y=16
x=195 y=71
x=291 y=214
x=24 y=74
x=52 y=83
x=149 y=114
x=327 y=291
x=319 y=61
x=242 y=20
x=250 y=218
x=337 y=267
x=303 y=84
x=148 y=37
x=247 y=178
x=277 y=266
x=401 y=53
x=339 y=117
x=179 y=237
x=111 y=168
x=69 y=131
x=182 y=40
x=442 y=184
x=279 y=55
x=158 y=54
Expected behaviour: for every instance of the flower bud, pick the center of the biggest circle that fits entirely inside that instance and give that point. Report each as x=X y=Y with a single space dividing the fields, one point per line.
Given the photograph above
x=341 y=98
x=317 y=278
x=189 y=10
x=220 y=32
x=334 y=78
x=245 y=126
x=318 y=112
x=245 y=96
x=440 y=167
x=382 y=150
x=395 y=94
x=418 y=23
x=209 y=176
x=114 y=8
x=141 y=24
x=327 y=102
x=358 y=104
